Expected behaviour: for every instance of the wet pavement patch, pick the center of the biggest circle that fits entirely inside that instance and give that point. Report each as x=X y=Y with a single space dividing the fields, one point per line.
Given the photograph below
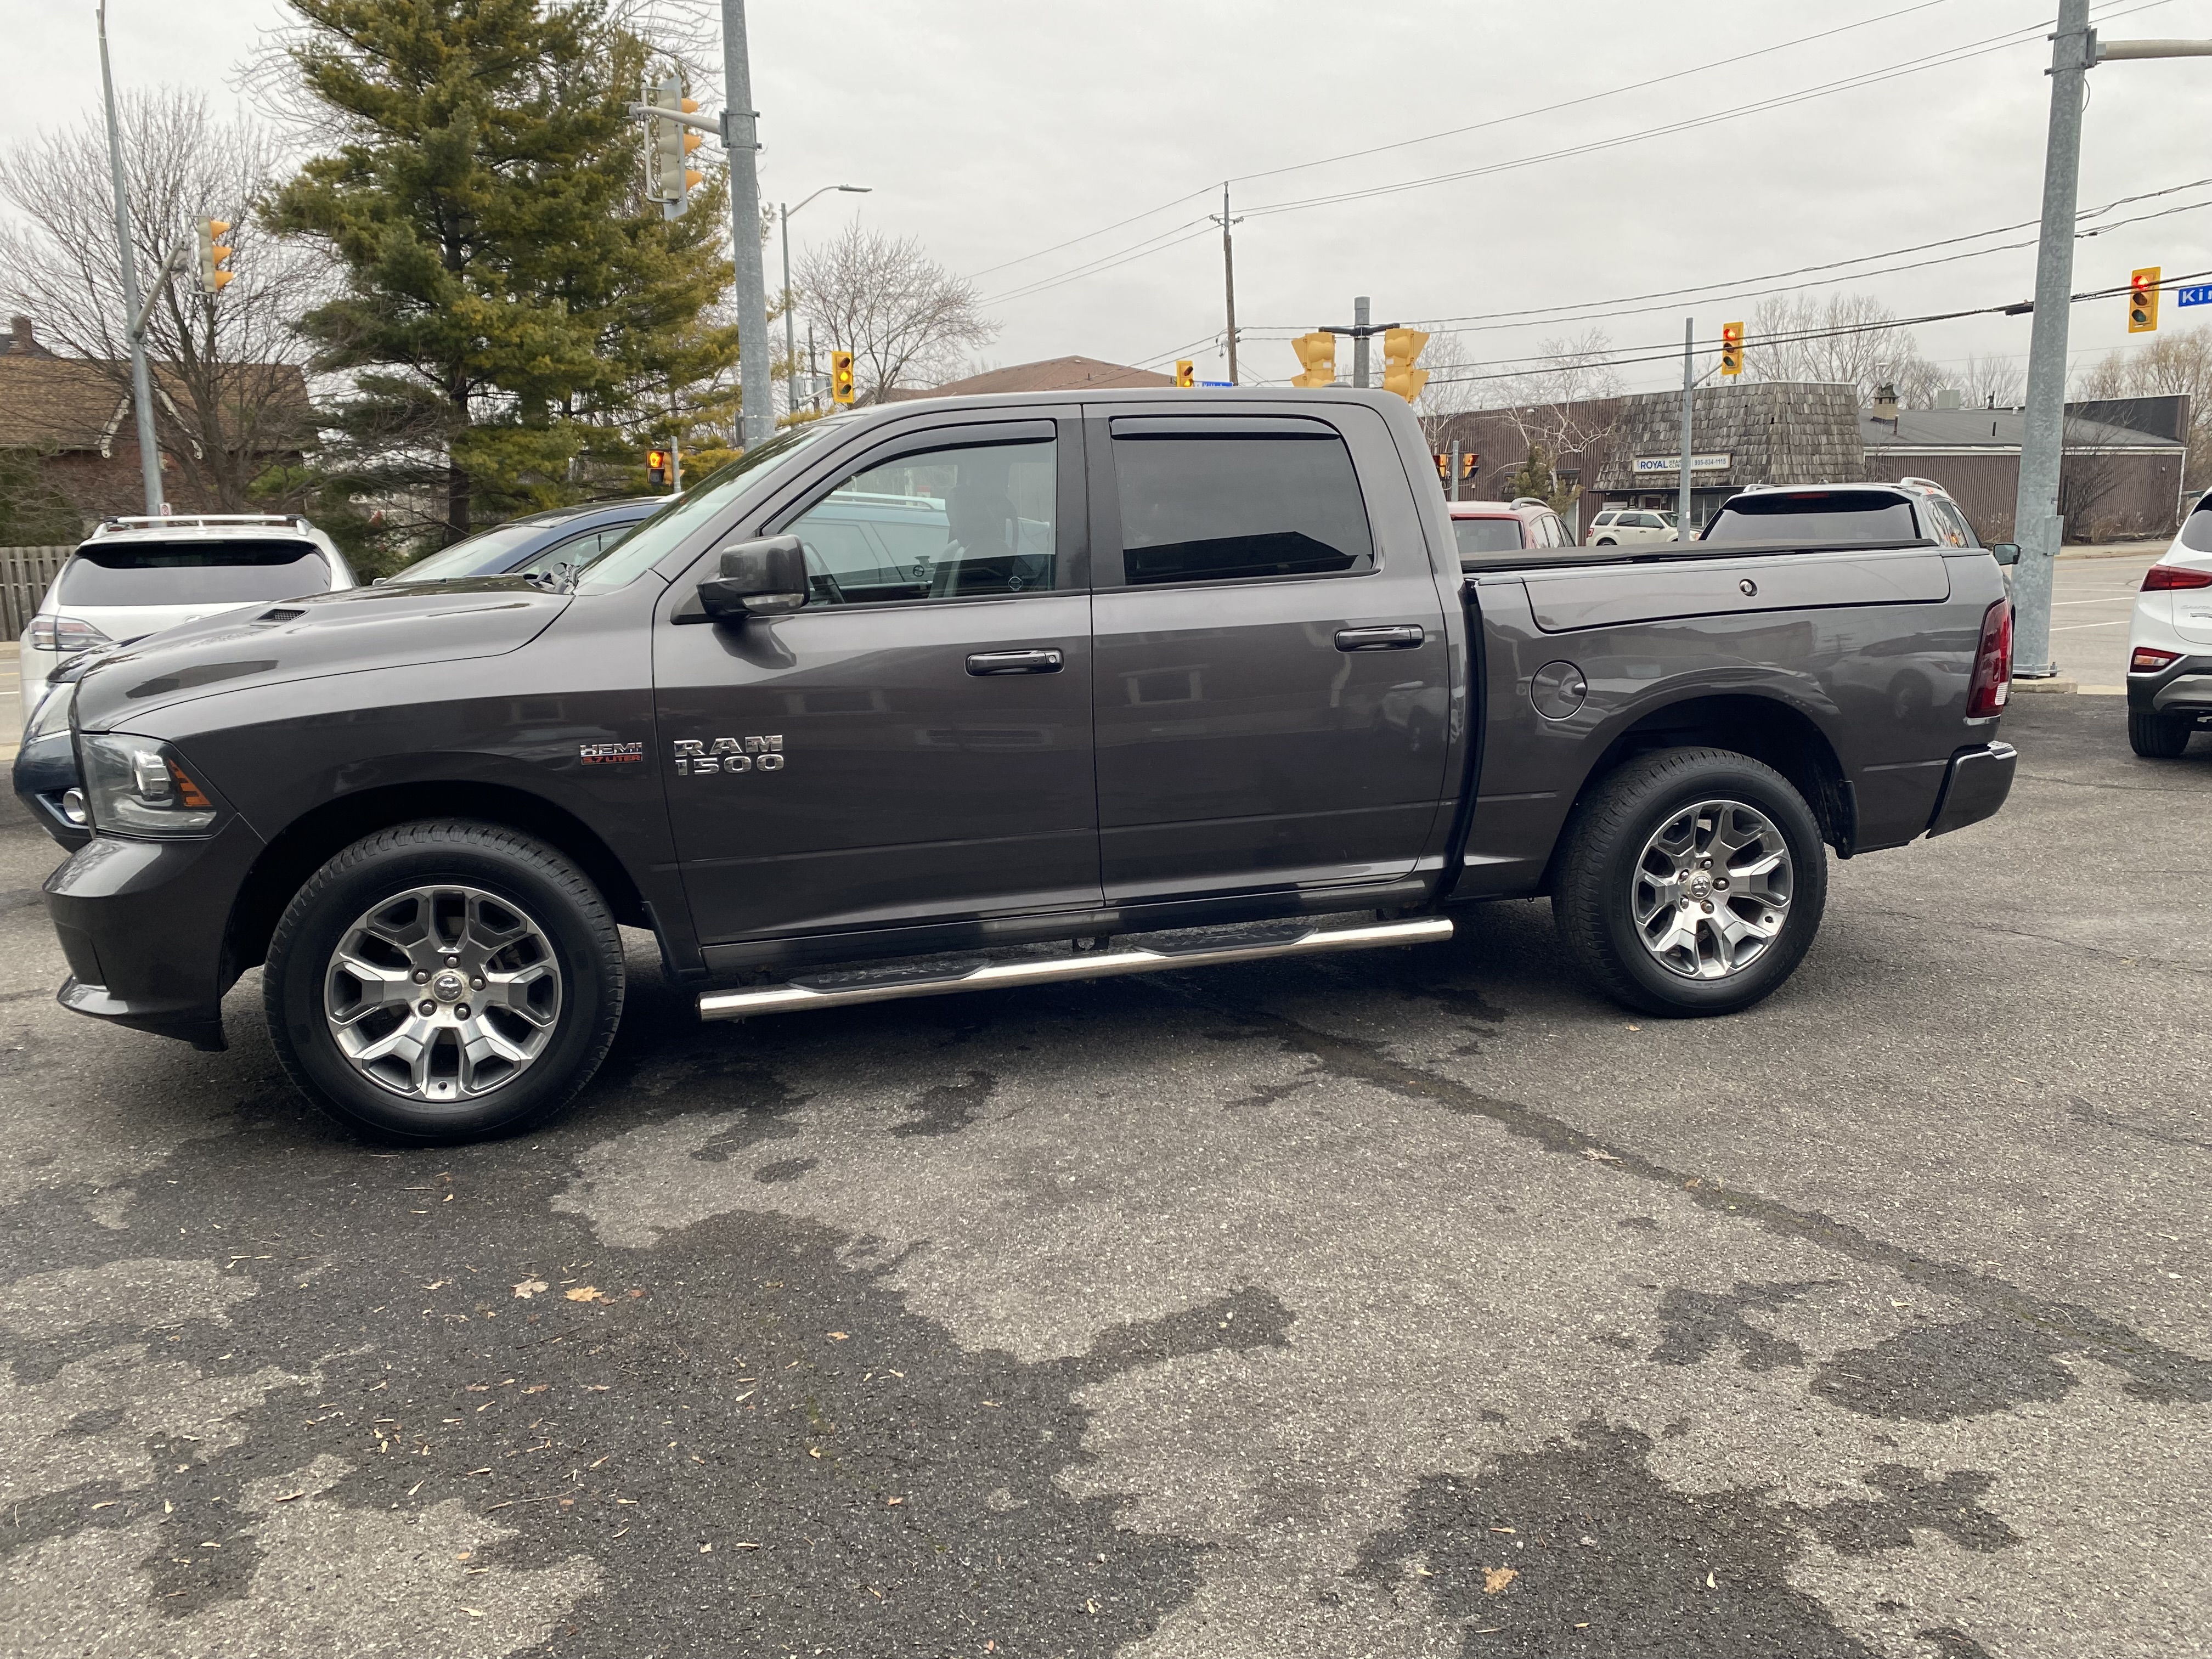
x=1937 y=1373
x=1698 y=1324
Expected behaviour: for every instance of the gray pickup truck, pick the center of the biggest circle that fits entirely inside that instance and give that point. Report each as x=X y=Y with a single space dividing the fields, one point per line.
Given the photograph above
x=943 y=695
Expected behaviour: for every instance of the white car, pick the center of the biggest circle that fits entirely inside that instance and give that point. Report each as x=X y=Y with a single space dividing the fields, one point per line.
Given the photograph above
x=138 y=576
x=1631 y=523
x=2170 y=650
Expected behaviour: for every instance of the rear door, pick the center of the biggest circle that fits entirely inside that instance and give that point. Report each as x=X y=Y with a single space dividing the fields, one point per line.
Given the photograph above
x=914 y=746
x=1270 y=660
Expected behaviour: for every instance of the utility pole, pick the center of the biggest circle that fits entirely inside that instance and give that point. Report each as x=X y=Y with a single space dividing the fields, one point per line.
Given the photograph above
x=1455 y=469
x=1689 y=383
x=2074 y=50
x=1360 y=330
x=141 y=382
x=1228 y=281
x=741 y=139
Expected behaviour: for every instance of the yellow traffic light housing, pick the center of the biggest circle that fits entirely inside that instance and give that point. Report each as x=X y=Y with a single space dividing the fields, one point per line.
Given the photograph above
x=656 y=466
x=2143 y=301
x=1318 y=352
x=1400 y=347
x=668 y=147
x=1731 y=349
x=1185 y=372
x=214 y=256
x=841 y=377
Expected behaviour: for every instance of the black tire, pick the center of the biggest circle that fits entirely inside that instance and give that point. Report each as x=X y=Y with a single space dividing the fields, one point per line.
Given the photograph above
x=1605 y=541
x=2158 y=736
x=562 y=922
x=1597 y=881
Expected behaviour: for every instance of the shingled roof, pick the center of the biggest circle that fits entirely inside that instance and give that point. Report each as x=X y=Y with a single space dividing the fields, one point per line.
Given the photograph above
x=1049 y=375
x=61 y=404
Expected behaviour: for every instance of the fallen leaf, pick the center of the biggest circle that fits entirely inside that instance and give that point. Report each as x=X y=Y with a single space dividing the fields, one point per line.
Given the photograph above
x=588 y=1293
x=1710 y=1583
x=113 y=1502
x=895 y=1500
x=538 y=1387
x=474 y=1613
x=837 y=1336
x=1495 y=1579
x=529 y=1287
x=706 y=1549
x=1090 y=1607
x=288 y=1497
x=814 y=1451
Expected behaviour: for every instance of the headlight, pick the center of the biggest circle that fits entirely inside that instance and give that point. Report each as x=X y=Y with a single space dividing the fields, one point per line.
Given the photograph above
x=52 y=713
x=136 y=786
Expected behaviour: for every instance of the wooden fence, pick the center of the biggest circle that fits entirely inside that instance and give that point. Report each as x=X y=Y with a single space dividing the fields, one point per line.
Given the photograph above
x=25 y=573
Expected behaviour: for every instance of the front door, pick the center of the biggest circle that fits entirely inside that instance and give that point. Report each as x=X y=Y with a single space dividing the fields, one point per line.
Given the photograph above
x=914 y=746
x=1272 y=670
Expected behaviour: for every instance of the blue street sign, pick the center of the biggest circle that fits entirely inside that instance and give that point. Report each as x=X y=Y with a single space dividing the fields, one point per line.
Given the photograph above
x=2199 y=295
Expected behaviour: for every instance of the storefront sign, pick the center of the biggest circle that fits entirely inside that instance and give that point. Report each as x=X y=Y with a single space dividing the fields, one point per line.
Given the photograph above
x=1649 y=463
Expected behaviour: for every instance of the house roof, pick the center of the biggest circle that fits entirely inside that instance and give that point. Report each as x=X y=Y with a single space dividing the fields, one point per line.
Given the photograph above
x=1050 y=374
x=1997 y=430
x=53 y=403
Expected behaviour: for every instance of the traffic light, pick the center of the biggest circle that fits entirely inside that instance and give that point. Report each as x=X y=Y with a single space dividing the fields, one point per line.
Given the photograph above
x=1318 y=352
x=841 y=377
x=1400 y=347
x=1185 y=372
x=668 y=146
x=2143 y=301
x=214 y=256
x=656 y=467
x=1731 y=349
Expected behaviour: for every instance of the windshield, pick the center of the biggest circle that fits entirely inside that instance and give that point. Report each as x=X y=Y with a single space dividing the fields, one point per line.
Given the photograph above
x=1814 y=516
x=654 y=539
x=485 y=554
x=193 y=573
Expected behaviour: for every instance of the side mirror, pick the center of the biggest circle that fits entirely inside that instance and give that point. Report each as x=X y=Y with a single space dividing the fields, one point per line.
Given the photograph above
x=2006 y=552
x=759 y=579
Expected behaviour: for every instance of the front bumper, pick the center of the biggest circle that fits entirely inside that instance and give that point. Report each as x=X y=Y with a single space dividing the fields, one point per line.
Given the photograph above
x=45 y=772
x=144 y=925
x=1974 y=787
x=2184 y=686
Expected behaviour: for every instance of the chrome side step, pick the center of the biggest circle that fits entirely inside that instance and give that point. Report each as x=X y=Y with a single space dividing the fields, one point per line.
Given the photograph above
x=888 y=985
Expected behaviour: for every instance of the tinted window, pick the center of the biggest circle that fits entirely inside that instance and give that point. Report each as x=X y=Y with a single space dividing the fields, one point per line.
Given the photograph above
x=1604 y=518
x=2197 y=528
x=1486 y=535
x=940 y=524
x=1241 y=507
x=576 y=550
x=197 y=573
x=1955 y=528
x=1814 y=516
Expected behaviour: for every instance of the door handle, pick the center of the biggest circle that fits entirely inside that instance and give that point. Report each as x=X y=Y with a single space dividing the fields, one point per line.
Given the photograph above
x=1406 y=637
x=1015 y=662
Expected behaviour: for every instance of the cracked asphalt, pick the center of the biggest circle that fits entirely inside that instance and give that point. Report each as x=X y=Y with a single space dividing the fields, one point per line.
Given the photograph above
x=1411 y=1303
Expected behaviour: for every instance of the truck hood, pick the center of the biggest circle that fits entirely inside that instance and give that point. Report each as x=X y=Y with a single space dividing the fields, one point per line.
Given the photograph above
x=342 y=633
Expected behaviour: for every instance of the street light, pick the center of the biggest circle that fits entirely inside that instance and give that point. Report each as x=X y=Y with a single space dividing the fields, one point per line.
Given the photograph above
x=790 y=340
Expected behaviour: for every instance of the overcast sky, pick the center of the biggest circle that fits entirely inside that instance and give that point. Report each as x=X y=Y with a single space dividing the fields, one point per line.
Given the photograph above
x=995 y=130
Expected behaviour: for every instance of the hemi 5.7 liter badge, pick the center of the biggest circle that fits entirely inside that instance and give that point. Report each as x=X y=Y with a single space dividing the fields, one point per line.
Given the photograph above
x=695 y=757
x=609 y=754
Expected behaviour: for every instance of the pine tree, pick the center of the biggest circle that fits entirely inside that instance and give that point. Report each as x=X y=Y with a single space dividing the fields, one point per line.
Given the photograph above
x=1536 y=480
x=509 y=300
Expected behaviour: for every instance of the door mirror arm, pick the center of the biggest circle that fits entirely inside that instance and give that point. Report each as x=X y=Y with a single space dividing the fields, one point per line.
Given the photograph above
x=765 y=578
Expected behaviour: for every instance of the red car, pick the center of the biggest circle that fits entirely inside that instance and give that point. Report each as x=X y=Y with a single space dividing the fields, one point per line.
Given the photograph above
x=1484 y=529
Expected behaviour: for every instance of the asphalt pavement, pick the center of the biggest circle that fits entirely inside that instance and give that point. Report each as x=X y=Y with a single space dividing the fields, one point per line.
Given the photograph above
x=1418 y=1303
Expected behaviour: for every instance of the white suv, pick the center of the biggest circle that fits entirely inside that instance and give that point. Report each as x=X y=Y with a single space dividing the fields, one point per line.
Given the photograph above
x=1633 y=524
x=2170 y=650
x=136 y=576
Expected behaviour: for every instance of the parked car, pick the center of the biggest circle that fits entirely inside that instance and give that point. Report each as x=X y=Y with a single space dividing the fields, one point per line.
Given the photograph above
x=1144 y=671
x=2170 y=648
x=135 y=576
x=1483 y=528
x=1908 y=510
x=536 y=541
x=1617 y=524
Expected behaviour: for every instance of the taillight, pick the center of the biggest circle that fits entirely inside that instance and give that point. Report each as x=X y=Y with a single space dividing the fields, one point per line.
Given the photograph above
x=2149 y=661
x=62 y=633
x=1992 y=682
x=2160 y=577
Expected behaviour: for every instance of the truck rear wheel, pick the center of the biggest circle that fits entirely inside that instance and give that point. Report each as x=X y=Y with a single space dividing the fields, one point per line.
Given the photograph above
x=2158 y=736
x=443 y=980
x=1691 y=883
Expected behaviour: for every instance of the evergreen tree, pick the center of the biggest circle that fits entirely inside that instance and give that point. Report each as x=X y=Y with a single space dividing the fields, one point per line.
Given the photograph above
x=1536 y=480
x=510 y=302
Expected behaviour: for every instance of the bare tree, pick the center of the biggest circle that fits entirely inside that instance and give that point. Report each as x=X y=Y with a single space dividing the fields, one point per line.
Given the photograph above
x=229 y=393
x=1993 y=382
x=904 y=317
x=1569 y=403
x=2177 y=362
x=1846 y=339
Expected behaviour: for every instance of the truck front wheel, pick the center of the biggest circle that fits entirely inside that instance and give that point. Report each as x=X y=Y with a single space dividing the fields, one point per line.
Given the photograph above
x=1692 y=882
x=442 y=980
